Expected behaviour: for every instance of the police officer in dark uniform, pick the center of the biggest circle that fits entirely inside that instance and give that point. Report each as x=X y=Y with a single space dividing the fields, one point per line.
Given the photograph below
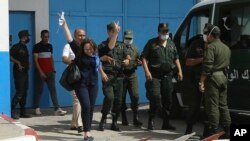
x=130 y=82
x=194 y=60
x=159 y=58
x=19 y=55
x=114 y=57
x=213 y=81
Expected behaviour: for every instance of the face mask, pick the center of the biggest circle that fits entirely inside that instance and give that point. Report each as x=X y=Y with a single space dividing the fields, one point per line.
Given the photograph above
x=128 y=42
x=27 y=41
x=164 y=37
x=205 y=38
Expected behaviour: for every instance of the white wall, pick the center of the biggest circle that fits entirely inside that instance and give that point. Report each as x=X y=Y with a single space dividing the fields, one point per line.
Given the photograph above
x=4 y=30
x=41 y=9
x=4 y=57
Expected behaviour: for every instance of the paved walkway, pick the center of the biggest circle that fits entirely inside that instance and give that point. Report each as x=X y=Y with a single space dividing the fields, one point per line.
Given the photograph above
x=11 y=130
x=56 y=128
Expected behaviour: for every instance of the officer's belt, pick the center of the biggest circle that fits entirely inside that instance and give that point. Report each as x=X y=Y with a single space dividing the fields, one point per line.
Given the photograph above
x=114 y=73
x=129 y=72
x=218 y=73
x=158 y=72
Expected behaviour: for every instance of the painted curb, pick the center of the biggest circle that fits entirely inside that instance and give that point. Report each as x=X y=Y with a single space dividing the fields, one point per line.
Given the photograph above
x=29 y=133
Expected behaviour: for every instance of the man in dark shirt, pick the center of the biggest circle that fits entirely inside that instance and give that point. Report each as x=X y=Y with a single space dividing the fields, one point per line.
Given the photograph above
x=194 y=60
x=19 y=55
x=113 y=55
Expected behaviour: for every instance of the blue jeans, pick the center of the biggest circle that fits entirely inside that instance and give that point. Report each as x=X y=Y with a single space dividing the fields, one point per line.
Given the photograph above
x=86 y=94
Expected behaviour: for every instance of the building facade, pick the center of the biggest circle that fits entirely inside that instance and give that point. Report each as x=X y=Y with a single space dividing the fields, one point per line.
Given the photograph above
x=142 y=16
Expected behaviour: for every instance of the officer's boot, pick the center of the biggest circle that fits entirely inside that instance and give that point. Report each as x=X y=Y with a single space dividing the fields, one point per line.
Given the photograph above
x=166 y=124
x=124 y=118
x=205 y=130
x=14 y=115
x=23 y=113
x=136 y=121
x=151 y=122
x=102 y=123
x=211 y=131
x=114 y=125
x=189 y=129
x=226 y=128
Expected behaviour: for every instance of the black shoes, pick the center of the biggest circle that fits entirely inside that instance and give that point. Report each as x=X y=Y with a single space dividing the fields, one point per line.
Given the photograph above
x=124 y=118
x=73 y=128
x=167 y=126
x=115 y=127
x=150 y=123
x=137 y=123
x=124 y=121
x=189 y=129
x=80 y=129
x=102 y=123
x=24 y=115
x=14 y=115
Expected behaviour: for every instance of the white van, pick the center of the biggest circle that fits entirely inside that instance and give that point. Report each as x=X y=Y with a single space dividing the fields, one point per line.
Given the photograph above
x=233 y=15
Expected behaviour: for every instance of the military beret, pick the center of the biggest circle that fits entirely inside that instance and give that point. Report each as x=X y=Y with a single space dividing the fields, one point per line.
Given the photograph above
x=128 y=34
x=163 y=26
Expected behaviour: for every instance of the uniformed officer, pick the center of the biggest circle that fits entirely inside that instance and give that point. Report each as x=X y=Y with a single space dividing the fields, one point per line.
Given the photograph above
x=213 y=81
x=114 y=57
x=19 y=55
x=159 y=58
x=130 y=82
x=194 y=60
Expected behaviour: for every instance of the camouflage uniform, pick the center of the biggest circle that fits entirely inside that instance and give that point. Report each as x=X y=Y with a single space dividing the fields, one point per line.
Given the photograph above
x=112 y=89
x=130 y=82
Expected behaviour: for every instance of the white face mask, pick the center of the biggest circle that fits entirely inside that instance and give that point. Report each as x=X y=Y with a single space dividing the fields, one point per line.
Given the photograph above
x=128 y=42
x=164 y=37
x=205 y=38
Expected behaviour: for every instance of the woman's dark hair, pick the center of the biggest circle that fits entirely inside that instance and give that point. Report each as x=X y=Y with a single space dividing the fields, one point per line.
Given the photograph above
x=83 y=43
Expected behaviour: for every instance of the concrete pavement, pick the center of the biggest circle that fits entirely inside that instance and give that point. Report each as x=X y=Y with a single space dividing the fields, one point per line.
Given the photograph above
x=56 y=128
x=11 y=130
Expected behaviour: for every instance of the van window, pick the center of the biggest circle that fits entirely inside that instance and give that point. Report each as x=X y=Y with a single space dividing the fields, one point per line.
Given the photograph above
x=235 y=26
x=194 y=26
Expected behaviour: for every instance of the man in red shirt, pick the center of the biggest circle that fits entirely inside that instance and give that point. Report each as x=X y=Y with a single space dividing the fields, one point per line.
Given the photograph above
x=45 y=72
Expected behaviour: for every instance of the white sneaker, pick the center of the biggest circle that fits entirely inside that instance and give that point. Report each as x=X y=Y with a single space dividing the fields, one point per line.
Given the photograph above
x=60 y=112
x=38 y=112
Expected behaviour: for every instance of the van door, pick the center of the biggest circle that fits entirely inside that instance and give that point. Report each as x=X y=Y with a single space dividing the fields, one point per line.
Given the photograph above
x=190 y=31
x=234 y=22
